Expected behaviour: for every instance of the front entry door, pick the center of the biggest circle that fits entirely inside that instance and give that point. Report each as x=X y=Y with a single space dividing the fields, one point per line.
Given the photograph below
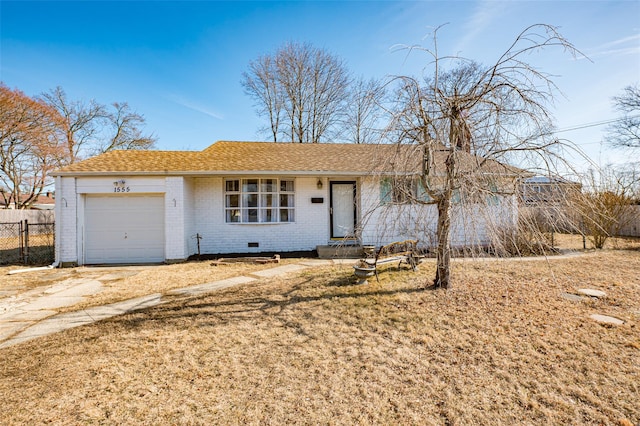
x=343 y=209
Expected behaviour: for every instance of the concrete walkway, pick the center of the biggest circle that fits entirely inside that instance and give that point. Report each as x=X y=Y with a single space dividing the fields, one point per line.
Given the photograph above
x=33 y=314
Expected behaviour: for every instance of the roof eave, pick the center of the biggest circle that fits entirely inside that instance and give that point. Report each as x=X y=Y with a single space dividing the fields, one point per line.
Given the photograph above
x=217 y=173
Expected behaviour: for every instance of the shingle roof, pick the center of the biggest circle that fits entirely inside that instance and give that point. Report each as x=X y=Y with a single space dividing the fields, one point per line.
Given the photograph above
x=264 y=157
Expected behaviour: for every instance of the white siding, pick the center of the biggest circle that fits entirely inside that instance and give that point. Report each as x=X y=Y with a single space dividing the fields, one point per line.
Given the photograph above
x=133 y=184
x=470 y=225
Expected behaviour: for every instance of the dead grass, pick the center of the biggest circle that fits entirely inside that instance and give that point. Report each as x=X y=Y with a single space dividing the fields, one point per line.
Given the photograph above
x=574 y=242
x=501 y=347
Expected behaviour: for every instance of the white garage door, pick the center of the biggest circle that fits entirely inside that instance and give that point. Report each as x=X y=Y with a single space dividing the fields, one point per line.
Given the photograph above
x=124 y=229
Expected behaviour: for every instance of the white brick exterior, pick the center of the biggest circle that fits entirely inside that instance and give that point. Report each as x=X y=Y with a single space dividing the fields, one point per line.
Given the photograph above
x=311 y=226
x=66 y=223
x=174 y=218
x=195 y=205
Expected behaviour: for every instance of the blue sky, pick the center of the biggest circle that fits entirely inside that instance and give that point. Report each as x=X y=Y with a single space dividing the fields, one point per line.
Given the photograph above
x=180 y=63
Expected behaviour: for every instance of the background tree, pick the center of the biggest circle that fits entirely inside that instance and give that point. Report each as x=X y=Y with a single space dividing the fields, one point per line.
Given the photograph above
x=363 y=113
x=261 y=83
x=302 y=91
x=124 y=130
x=81 y=122
x=468 y=115
x=30 y=145
x=626 y=131
x=90 y=128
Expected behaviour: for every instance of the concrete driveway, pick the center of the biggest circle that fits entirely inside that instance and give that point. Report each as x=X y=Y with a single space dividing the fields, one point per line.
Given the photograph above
x=28 y=314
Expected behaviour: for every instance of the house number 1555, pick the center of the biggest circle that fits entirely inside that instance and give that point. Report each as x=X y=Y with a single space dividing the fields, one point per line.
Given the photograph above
x=121 y=189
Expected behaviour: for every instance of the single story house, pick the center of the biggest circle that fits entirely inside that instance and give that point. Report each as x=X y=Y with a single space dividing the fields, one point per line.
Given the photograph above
x=542 y=190
x=46 y=201
x=254 y=197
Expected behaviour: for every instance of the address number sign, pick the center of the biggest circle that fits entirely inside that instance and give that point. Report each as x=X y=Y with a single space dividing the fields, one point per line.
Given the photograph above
x=121 y=186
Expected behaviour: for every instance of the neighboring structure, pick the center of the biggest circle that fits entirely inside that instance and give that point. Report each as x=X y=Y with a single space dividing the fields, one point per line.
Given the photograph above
x=44 y=201
x=541 y=190
x=252 y=197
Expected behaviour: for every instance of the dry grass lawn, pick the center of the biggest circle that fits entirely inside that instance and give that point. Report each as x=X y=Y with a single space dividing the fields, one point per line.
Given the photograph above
x=501 y=347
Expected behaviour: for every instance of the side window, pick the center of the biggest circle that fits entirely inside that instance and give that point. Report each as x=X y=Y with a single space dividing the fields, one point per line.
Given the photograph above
x=493 y=199
x=386 y=188
x=402 y=190
x=421 y=192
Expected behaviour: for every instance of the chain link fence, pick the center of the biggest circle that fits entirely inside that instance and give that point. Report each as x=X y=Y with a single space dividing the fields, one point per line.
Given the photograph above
x=11 y=243
x=27 y=243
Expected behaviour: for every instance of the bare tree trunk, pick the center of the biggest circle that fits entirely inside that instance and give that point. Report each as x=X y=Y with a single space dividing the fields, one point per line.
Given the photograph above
x=443 y=252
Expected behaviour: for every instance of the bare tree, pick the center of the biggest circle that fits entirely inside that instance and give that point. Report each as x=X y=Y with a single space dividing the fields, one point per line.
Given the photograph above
x=261 y=83
x=30 y=146
x=364 y=113
x=604 y=206
x=301 y=89
x=466 y=119
x=90 y=128
x=625 y=132
x=124 y=130
x=82 y=121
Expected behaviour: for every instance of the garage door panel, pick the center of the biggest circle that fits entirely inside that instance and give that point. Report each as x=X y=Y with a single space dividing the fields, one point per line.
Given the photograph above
x=124 y=229
x=106 y=239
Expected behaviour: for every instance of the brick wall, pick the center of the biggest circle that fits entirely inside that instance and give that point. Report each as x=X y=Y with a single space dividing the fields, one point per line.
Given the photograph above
x=66 y=214
x=190 y=243
x=311 y=226
x=174 y=218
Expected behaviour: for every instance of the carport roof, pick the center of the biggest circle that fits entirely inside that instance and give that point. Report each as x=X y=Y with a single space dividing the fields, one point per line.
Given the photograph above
x=226 y=157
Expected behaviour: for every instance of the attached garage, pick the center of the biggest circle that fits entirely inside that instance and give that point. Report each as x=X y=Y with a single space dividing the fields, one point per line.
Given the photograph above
x=124 y=229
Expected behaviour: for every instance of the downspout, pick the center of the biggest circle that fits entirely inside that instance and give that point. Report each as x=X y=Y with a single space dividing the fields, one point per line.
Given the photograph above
x=41 y=268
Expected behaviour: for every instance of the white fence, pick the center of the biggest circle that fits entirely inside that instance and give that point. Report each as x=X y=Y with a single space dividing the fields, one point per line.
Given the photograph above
x=33 y=216
x=567 y=220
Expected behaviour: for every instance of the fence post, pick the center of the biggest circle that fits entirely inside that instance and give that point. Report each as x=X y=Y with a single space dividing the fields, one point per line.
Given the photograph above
x=20 y=241
x=26 y=241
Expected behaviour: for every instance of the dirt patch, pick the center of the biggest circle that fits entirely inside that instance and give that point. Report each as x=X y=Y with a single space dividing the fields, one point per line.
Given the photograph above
x=501 y=347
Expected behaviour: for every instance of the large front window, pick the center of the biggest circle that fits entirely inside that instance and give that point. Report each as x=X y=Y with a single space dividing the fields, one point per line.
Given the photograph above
x=259 y=200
